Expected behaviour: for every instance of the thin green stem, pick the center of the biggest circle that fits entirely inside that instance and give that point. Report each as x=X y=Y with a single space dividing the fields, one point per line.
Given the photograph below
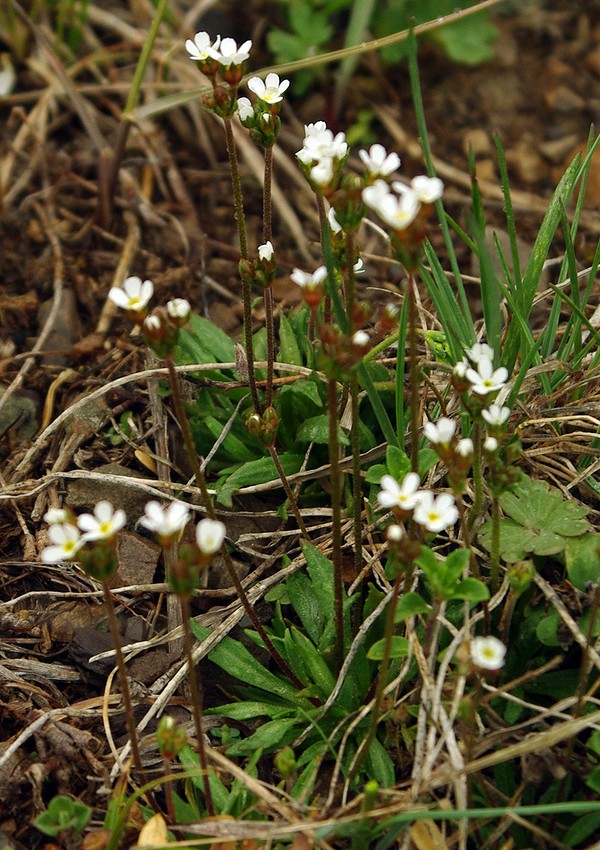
x=201 y=482
x=240 y=218
x=495 y=545
x=415 y=386
x=381 y=678
x=288 y=492
x=122 y=671
x=268 y=293
x=354 y=402
x=336 y=530
x=196 y=694
x=477 y=476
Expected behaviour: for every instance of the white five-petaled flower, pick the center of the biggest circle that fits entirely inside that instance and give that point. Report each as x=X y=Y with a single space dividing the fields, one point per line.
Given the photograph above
x=487 y=653
x=427 y=189
x=210 y=534
x=440 y=432
x=479 y=350
x=134 y=295
x=398 y=211
x=270 y=90
x=265 y=252
x=166 y=524
x=307 y=280
x=245 y=109
x=66 y=540
x=103 y=523
x=201 y=47
x=230 y=54
x=179 y=308
x=485 y=380
x=435 y=513
x=378 y=161
x=496 y=415
x=319 y=142
x=460 y=369
x=394 y=495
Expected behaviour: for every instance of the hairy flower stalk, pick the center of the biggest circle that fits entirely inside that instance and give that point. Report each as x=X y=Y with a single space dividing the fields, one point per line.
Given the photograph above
x=336 y=522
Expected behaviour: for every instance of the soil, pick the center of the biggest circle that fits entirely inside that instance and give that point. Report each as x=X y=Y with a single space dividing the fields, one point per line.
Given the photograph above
x=172 y=222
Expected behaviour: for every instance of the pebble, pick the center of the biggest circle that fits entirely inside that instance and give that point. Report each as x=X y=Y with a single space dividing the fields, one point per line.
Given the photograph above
x=564 y=99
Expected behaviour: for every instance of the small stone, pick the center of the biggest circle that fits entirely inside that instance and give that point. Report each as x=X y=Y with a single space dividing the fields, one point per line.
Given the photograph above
x=592 y=61
x=485 y=170
x=564 y=99
x=138 y=559
x=556 y=149
x=525 y=162
x=86 y=492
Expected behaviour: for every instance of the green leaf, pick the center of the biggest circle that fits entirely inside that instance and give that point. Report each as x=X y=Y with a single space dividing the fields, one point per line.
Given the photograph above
x=235 y=659
x=399 y=648
x=410 y=605
x=248 y=709
x=289 y=351
x=582 y=559
x=269 y=737
x=307 y=605
x=204 y=343
x=316 y=430
x=320 y=570
x=256 y=472
x=313 y=661
x=379 y=765
x=397 y=462
x=471 y=590
x=585 y=825
x=541 y=519
x=469 y=41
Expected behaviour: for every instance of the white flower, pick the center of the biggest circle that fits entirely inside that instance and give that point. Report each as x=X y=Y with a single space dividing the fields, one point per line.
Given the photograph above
x=427 y=189
x=67 y=541
x=460 y=370
x=210 y=534
x=490 y=445
x=496 y=415
x=378 y=161
x=322 y=172
x=133 y=295
x=398 y=211
x=307 y=280
x=395 y=495
x=201 y=47
x=359 y=266
x=485 y=380
x=361 y=339
x=465 y=447
x=478 y=351
x=270 y=90
x=320 y=142
x=333 y=222
x=374 y=194
x=265 y=252
x=103 y=523
x=167 y=523
x=152 y=324
x=394 y=533
x=245 y=108
x=57 y=516
x=229 y=53
x=440 y=432
x=179 y=308
x=488 y=653
x=435 y=514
